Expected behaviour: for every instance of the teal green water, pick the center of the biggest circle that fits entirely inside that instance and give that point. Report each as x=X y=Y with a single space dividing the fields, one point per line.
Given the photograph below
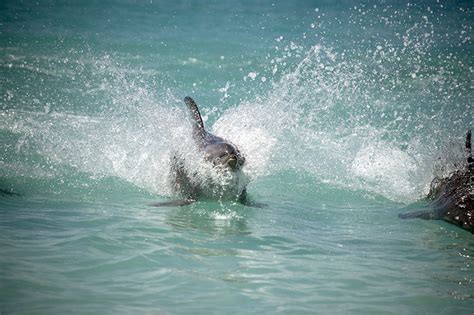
x=345 y=113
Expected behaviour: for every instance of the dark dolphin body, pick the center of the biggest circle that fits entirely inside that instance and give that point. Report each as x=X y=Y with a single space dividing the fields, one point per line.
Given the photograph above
x=220 y=155
x=452 y=198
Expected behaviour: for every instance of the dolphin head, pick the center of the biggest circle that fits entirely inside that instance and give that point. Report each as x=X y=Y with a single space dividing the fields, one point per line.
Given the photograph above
x=224 y=154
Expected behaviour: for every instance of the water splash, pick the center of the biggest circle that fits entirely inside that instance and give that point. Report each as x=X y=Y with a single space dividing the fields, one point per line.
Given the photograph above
x=359 y=112
x=375 y=116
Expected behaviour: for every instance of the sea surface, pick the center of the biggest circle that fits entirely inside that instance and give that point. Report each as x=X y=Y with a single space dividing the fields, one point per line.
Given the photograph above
x=345 y=111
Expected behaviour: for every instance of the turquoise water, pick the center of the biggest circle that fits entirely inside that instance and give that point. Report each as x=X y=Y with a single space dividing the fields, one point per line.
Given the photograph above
x=345 y=113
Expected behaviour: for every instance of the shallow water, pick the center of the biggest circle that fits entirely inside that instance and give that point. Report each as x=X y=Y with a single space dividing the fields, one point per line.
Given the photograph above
x=345 y=113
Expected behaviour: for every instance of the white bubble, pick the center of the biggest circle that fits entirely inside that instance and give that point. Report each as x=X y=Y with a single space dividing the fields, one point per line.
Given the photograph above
x=252 y=75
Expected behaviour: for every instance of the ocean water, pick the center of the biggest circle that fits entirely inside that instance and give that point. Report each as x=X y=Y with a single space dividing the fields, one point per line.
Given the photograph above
x=344 y=110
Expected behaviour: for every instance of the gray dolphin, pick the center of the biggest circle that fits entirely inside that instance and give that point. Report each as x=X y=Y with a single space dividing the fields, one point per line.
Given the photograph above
x=452 y=198
x=216 y=150
x=220 y=156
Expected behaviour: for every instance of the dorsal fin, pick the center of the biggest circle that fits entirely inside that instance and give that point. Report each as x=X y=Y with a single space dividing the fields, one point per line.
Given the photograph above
x=470 y=160
x=198 y=125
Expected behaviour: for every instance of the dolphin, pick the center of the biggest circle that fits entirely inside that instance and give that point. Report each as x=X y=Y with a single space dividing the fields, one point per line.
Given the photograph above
x=452 y=198
x=222 y=159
